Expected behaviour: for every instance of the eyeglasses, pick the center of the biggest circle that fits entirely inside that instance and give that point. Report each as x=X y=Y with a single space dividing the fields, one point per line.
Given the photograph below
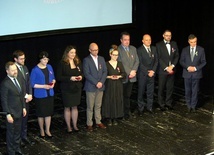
x=114 y=54
x=22 y=58
x=96 y=50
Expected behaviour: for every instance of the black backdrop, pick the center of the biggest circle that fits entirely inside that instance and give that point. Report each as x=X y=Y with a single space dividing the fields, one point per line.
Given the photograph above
x=153 y=17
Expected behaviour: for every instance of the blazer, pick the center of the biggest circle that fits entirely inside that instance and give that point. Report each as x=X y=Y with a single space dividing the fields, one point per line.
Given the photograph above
x=199 y=62
x=37 y=77
x=11 y=99
x=129 y=63
x=164 y=59
x=147 y=62
x=26 y=79
x=94 y=75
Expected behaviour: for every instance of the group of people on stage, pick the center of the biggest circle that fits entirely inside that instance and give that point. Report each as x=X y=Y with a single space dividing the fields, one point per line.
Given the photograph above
x=108 y=84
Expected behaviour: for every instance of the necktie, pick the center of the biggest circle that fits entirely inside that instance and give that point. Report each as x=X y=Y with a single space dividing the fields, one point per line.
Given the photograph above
x=17 y=85
x=22 y=70
x=127 y=51
x=192 y=54
x=149 y=52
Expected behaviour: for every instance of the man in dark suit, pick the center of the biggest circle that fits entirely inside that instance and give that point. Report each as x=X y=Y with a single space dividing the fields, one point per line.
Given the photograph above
x=146 y=74
x=95 y=72
x=12 y=100
x=192 y=60
x=23 y=73
x=168 y=57
x=129 y=58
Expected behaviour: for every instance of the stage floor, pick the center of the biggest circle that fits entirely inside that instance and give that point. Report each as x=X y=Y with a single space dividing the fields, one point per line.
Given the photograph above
x=175 y=132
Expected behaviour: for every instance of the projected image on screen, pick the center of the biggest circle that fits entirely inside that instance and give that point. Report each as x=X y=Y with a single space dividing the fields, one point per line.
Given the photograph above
x=27 y=16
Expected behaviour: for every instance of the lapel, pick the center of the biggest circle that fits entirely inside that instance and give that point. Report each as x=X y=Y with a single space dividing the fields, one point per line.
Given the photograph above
x=12 y=85
x=91 y=59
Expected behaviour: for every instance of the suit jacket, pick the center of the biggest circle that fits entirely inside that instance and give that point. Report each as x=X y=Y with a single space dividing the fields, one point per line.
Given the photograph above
x=11 y=99
x=94 y=75
x=164 y=59
x=129 y=63
x=199 y=62
x=147 y=62
x=27 y=89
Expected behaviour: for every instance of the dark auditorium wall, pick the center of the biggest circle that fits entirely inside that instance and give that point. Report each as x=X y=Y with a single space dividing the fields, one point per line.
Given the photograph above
x=152 y=17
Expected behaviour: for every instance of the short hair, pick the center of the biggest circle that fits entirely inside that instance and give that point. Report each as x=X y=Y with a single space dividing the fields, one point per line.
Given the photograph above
x=113 y=48
x=124 y=33
x=8 y=64
x=191 y=36
x=167 y=30
x=18 y=53
x=42 y=55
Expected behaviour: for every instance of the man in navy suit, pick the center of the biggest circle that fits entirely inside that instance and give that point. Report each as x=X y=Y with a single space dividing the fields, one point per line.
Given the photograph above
x=129 y=58
x=192 y=60
x=95 y=72
x=167 y=60
x=12 y=100
x=23 y=73
x=146 y=74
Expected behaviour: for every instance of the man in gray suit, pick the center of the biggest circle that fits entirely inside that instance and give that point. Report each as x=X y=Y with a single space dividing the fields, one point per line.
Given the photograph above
x=129 y=58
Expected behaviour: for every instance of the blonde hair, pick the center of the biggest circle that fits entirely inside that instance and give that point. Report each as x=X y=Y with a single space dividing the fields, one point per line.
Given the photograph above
x=113 y=48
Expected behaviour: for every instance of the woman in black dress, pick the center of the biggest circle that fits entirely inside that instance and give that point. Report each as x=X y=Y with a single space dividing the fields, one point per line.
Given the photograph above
x=112 y=106
x=69 y=74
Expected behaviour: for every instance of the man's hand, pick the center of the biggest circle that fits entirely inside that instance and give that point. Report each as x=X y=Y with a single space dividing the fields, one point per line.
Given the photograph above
x=24 y=112
x=29 y=98
x=132 y=74
x=99 y=85
x=151 y=73
x=9 y=118
x=191 y=69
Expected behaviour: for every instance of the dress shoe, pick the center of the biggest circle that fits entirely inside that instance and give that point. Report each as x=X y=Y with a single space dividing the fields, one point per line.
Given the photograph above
x=23 y=144
x=126 y=117
x=48 y=136
x=162 y=108
x=193 y=110
x=189 y=110
x=101 y=126
x=69 y=131
x=133 y=115
x=76 y=130
x=19 y=153
x=89 y=128
x=115 y=122
x=150 y=111
x=169 y=107
x=140 y=113
x=109 y=122
x=41 y=136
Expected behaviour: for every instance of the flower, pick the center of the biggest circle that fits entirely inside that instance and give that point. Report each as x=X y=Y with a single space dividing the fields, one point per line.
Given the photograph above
x=118 y=69
x=78 y=68
x=196 y=53
x=100 y=67
x=173 y=50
